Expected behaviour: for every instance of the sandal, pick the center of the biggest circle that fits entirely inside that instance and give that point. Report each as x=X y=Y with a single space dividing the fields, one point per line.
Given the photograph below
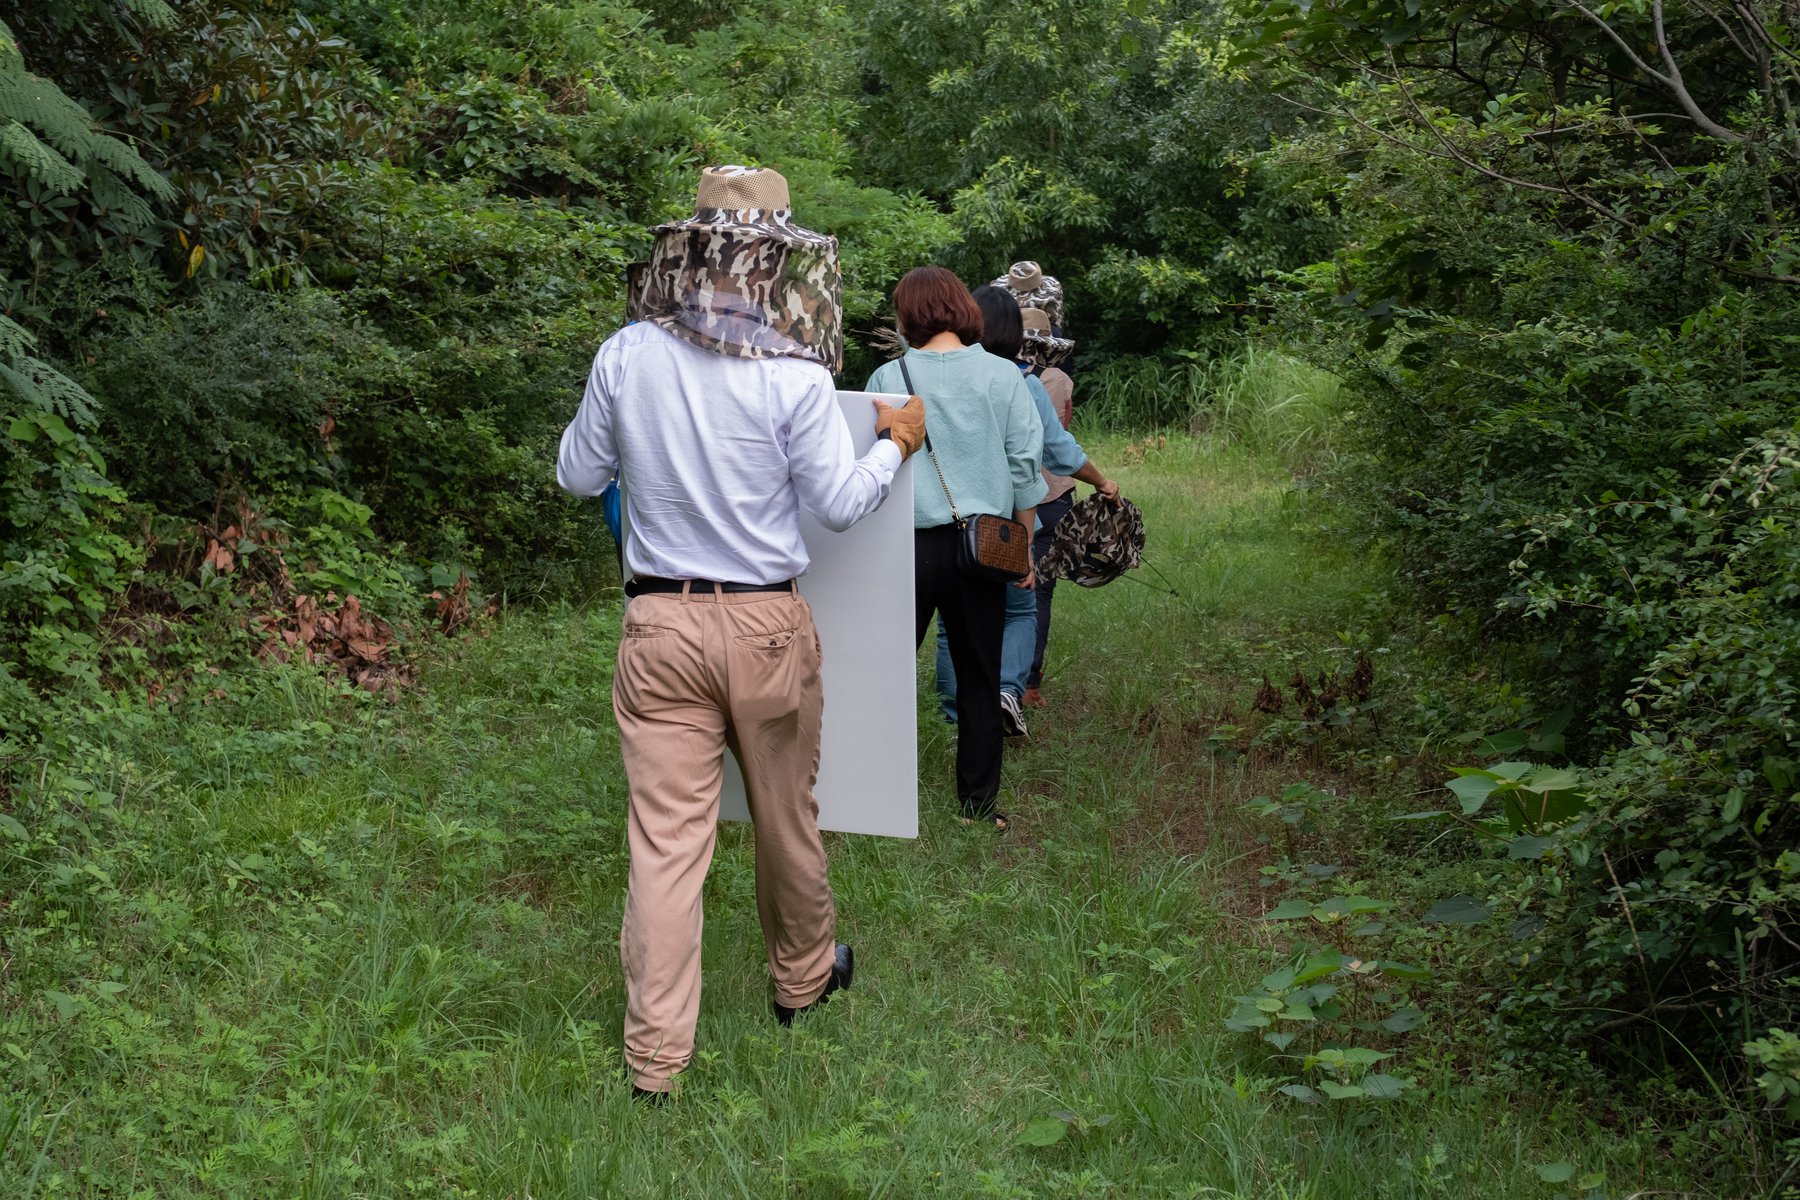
x=997 y=818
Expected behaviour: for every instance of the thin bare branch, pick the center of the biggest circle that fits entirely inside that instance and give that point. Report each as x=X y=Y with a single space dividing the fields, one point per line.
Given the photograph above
x=1670 y=78
x=1454 y=153
x=1722 y=23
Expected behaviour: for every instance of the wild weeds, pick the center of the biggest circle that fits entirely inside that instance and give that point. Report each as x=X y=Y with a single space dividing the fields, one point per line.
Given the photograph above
x=1257 y=397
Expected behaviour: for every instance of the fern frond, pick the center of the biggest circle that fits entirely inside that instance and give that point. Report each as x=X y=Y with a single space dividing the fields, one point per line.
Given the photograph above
x=24 y=154
x=11 y=60
x=46 y=389
x=154 y=13
x=45 y=135
x=15 y=340
x=126 y=205
x=123 y=161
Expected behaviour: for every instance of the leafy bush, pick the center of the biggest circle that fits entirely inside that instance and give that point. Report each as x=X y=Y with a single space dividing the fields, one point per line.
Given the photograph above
x=61 y=560
x=1564 y=324
x=235 y=391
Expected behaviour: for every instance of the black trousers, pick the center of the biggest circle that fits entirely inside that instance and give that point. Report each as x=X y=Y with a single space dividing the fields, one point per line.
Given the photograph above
x=973 y=613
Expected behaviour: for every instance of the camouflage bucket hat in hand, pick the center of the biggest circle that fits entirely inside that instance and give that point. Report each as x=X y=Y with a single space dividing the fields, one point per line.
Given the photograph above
x=740 y=278
x=1095 y=542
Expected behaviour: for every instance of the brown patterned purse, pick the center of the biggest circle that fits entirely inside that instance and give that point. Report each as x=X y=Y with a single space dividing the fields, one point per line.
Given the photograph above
x=990 y=548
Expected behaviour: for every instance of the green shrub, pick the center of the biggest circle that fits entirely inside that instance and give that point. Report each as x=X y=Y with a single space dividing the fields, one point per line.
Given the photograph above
x=1571 y=331
x=231 y=392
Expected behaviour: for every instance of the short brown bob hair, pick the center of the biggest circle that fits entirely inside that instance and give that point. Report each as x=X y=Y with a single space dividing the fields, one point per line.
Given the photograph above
x=929 y=300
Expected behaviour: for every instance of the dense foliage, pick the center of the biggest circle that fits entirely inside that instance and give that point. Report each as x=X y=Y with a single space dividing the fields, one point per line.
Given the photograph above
x=297 y=294
x=1568 y=307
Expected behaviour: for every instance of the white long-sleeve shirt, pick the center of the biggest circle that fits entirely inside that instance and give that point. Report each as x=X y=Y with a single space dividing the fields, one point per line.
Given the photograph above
x=721 y=454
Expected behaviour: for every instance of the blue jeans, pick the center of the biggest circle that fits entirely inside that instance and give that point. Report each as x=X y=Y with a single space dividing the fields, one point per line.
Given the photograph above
x=1017 y=642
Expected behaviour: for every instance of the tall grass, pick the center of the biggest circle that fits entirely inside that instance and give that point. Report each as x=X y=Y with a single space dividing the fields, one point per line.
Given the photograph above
x=1258 y=398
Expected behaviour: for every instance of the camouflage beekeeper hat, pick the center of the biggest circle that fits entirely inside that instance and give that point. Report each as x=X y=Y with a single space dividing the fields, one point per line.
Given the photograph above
x=1041 y=348
x=1034 y=289
x=740 y=278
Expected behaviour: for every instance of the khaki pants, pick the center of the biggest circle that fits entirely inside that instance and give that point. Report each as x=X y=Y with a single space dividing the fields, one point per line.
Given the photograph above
x=698 y=673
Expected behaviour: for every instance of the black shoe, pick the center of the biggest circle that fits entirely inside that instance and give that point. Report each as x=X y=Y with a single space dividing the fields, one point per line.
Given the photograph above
x=843 y=970
x=648 y=1098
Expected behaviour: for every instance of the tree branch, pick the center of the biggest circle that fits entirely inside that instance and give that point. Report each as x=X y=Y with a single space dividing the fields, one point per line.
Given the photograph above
x=1672 y=81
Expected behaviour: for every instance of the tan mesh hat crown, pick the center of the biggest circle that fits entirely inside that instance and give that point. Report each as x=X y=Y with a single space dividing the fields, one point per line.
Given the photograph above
x=1035 y=319
x=1024 y=276
x=736 y=189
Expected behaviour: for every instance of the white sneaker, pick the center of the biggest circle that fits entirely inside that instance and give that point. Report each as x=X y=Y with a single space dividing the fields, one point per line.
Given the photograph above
x=1011 y=719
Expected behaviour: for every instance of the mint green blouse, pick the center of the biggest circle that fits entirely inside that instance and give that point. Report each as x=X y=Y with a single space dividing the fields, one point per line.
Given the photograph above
x=984 y=428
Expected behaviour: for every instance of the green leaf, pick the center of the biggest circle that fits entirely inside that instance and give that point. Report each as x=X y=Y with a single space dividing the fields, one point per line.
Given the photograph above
x=1289 y=910
x=1362 y=1056
x=1473 y=791
x=1402 y=971
x=1457 y=910
x=1340 y=1091
x=1281 y=1041
x=1325 y=962
x=1300 y=1092
x=1527 y=846
x=12 y=828
x=1550 y=779
x=1510 y=742
x=1339 y=907
x=1045 y=1131
x=53 y=425
x=1404 y=1020
x=1384 y=1087
x=1734 y=804
x=1246 y=1020
x=66 y=1005
x=1556 y=1172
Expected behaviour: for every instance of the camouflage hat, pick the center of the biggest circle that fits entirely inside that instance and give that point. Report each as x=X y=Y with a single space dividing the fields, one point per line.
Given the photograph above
x=1040 y=348
x=740 y=278
x=1034 y=289
x=1096 y=542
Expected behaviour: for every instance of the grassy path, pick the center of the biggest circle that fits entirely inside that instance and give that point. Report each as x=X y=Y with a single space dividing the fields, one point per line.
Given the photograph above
x=338 y=950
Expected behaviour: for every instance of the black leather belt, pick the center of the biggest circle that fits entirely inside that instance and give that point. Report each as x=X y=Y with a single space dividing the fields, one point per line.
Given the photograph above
x=647 y=584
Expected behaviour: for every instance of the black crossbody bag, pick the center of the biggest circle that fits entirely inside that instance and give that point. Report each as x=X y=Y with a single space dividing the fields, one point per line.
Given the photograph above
x=990 y=548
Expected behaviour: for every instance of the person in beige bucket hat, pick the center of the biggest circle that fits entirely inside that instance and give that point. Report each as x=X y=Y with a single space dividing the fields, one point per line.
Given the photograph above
x=1043 y=349
x=1034 y=289
x=718 y=403
x=739 y=277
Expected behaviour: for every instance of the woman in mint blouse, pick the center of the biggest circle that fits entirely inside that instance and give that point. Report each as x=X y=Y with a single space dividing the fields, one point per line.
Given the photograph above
x=987 y=440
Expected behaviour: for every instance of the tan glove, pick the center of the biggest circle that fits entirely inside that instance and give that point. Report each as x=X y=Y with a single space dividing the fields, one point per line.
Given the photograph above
x=905 y=425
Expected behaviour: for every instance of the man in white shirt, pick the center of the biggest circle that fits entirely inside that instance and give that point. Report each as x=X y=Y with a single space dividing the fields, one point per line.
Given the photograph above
x=720 y=406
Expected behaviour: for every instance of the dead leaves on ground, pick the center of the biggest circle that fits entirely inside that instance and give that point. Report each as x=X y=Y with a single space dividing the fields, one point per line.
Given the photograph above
x=293 y=625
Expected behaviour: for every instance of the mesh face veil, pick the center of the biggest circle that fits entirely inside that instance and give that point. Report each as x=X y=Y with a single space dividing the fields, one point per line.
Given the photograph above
x=740 y=278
